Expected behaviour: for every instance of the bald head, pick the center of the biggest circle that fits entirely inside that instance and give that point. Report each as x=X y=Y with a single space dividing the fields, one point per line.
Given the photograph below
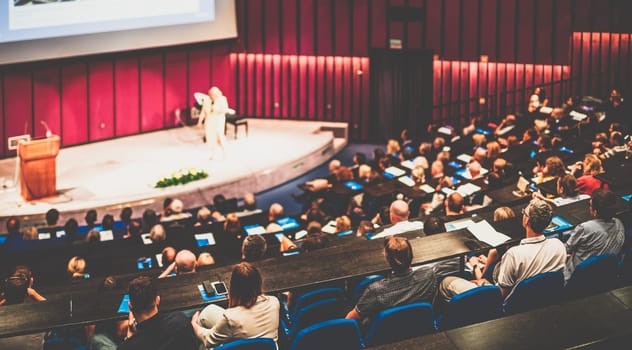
x=185 y=262
x=275 y=212
x=398 y=211
x=474 y=167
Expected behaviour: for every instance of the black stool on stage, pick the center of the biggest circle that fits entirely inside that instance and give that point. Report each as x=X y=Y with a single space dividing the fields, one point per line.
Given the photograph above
x=236 y=120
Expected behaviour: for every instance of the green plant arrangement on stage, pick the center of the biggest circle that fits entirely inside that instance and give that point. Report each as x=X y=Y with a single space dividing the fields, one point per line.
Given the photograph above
x=181 y=177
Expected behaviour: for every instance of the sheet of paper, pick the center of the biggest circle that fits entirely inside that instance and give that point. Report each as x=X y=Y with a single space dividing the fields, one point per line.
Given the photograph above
x=395 y=171
x=427 y=188
x=330 y=228
x=484 y=232
x=468 y=189
x=146 y=239
x=406 y=180
x=458 y=224
x=408 y=164
x=465 y=158
x=106 y=235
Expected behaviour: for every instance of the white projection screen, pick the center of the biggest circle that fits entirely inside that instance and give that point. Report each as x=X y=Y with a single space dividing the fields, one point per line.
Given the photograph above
x=34 y=30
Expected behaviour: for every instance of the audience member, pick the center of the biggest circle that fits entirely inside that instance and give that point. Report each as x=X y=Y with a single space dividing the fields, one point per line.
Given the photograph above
x=250 y=313
x=134 y=229
x=72 y=231
x=126 y=215
x=402 y=285
x=203 y=217
x=536 y=254
x=398 y=215
x=30 y=234
x=253 y=248
x=454 y=204
x=175 y=212
x=275 y=212
x=150 y=329
x=185 y=263
x=343 y=223
x=13 y=226
x=91 y=218
x=567 y=191
x=168 y=255
x=205 y=259
x=149 y=219
x=77 y=268
x=587 y=182
x=157 y=234
x=433 y=225
x=52 y=216
x=93 y=236
x=107 y=222
x=604 y=234
x=250 y=202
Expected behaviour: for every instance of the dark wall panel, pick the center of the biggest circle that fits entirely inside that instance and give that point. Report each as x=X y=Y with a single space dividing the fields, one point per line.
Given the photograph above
x=47 y=104
x=74 y=104
x=101 y=100
x=3 y=134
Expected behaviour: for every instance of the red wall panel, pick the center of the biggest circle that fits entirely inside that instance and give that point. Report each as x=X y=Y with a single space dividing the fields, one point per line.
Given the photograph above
x=452 y=28
x=255 y=25
x=151 y=93
x=378 y=23
x=18 y=104
x=470 y=27
x=342 y=28
x=101 y=100
x=177 y=96
x=74 y=102
x=289 y=27
x=126 y=96
x=360 y=19
x=47 y=106
x=488 y=29
x=306 y=26
x=506 y=26
x=199 y=70
x=434 y=26
x=3 y=135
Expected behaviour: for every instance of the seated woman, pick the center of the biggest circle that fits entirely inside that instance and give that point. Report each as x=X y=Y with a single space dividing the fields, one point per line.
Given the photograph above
x=587 y=182
x=250 y=313
x=567 y=191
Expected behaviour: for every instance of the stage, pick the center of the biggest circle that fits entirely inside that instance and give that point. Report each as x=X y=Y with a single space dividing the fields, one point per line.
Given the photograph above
x=112 y=174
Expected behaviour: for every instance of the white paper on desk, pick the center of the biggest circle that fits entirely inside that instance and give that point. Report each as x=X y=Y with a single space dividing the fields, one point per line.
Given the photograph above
x=458 y=224
x=465 y=158
x=505 y=130
x=329 y=228
x=206 y=236
x=146 y=239
x=106 y=235
x=484 y=232
x=427 y=188
x=395 y=171
x=408 y=164
x=407 y=180
x=468 y=189
x=45 y=235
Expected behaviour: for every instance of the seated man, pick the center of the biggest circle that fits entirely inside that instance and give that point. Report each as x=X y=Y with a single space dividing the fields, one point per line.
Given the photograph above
x=402 y=286
x=150 y=329
x=184 y=263
x=398 y=215
x=602 y=235
x=536 y=254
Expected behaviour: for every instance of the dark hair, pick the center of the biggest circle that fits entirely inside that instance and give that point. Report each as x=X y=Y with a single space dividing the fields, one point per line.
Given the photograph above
x=13 y=225
x=399 y=253
x=126 y=215
x=315 y=241
x=108 y=283
x=149 y=219
x=142 y=294
x=360 y=158
x=602 y=202
x=91 y=217
x=166 y=203
x=72 y=230
x=108 y=222
x=254 y=248
x=434 y=225
x=455 y=202
x=15 y=288
x=568 y=184
x=313 y=227
x=52 y=216
x=134 y=228
x=245 y=285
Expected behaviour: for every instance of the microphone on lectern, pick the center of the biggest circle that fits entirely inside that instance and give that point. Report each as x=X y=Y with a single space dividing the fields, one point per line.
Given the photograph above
x=48 y=132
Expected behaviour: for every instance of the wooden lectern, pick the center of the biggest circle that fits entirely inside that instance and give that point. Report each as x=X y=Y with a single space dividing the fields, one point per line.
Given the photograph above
x=38 y=169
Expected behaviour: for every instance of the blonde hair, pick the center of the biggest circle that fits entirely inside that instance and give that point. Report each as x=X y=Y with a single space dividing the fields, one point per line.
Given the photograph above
x=30 y=234
x=503 y=213
x=157 y=233
x=592 y=165
x=343 y=223
x=392 y=146
x=76 y=267
x=493 y=150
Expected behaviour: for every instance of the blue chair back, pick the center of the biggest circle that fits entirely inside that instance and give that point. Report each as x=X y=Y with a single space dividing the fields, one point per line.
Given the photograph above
x=536 y=291
x=249 y=344
x=360 y=287
x=332 y=334
x=475 y=305
x=625 y=268
x=315 y=296
x=401 y=322
x=320 y=311
x=594 y=275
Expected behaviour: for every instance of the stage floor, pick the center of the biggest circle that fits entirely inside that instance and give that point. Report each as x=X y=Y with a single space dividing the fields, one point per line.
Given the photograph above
x=111 y=174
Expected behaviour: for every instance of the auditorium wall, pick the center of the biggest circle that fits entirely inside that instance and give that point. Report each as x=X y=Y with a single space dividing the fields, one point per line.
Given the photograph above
x=525 y=42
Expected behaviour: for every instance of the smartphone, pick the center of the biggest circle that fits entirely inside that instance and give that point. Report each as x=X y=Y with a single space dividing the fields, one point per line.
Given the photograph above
x=208 y=287
x=219 y=288
x=144 y=263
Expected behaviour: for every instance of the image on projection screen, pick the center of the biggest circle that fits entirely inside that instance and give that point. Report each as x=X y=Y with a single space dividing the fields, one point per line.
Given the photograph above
x=34 y=30
x=39 y=19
